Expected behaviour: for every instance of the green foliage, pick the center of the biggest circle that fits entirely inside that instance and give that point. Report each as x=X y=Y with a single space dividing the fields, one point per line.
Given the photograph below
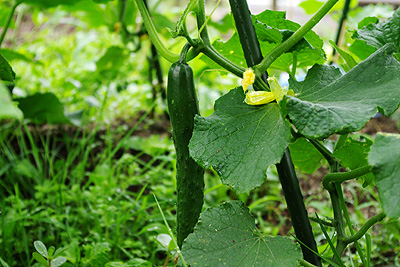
x=227 y=234
x=379 y=34
x=6 y=72
x=8 y=108
x=305 y=156
x=235 y=135
x=42 y=108
x=384 y=158
x=273 y=28
x=321 y=106
x=353 y=154
x=47 y=257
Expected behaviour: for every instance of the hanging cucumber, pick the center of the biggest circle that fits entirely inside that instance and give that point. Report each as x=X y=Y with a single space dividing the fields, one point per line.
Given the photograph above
x=183 y=106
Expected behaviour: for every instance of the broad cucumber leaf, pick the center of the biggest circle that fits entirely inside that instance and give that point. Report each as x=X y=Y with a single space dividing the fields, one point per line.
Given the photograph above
x=353 y=155
x=240 y=141
x=227 y=236
x=305 y=156
x=385 y=161
x=328 y=102
x=42 y=108
x=277 y=20
x=377 y=35
x=272 y=28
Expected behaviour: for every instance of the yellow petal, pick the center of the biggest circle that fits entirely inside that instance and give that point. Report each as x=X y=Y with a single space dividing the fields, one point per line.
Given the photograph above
x=259 y=97
x=248 y=78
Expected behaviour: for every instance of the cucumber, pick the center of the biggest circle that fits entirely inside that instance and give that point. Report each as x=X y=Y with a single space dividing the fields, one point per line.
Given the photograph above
x=183 y=106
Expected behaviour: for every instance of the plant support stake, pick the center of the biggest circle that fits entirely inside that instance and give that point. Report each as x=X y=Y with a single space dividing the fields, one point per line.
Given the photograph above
x=287 y=174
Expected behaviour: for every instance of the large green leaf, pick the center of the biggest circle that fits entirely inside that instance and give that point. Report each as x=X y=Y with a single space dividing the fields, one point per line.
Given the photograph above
x=227 y=236
x=8 y=108
x=272 y=28
x=377 y=35
x=240 y=141
x=328 y=103
x=42 y=108
x=385 y=160
x=305 y=156
x=353 y=155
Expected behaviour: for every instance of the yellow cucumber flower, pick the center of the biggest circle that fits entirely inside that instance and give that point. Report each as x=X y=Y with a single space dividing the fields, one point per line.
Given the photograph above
x=259 y=97
x=248 y=79
x=263 y=97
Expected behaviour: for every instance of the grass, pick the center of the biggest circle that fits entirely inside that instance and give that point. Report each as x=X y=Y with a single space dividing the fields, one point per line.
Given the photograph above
x=90 y=192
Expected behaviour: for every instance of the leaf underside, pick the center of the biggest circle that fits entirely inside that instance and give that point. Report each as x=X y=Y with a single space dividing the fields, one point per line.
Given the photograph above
x=328 y=102
x=227 y=236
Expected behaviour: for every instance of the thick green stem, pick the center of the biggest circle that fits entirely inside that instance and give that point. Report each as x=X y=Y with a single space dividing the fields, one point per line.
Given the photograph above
x=292 y=40
x=297 y=209
x=155 y=39
x=8 y=21
x=332 y=161
x=286 y=171
x=350 y=226
x=215 y=56
x=360 y=233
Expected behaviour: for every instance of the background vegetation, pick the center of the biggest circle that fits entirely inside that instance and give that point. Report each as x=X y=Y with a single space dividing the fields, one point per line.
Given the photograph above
x=84 y=176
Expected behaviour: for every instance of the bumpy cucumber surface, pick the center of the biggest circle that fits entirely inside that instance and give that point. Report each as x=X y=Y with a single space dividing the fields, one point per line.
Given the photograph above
x=183 y=106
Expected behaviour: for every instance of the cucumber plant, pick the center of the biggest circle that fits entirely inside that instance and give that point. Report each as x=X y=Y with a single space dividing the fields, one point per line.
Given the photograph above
x=256 y=125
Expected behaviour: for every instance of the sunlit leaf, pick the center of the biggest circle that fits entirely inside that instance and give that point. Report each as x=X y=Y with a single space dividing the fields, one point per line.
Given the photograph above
x=227 y=236
x=240 y=141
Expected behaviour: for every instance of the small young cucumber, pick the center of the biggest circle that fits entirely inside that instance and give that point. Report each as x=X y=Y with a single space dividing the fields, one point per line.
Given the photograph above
x=183 y=106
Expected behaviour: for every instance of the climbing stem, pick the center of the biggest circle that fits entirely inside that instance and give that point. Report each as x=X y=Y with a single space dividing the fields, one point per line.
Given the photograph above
x=332 y=160
x=329 y=179
x=155 y=39
x=350 y=226
x=184 y=52
x=201 y=22
x=292 y=40
x=8 y=21
x=360 y=233
x=218 y=58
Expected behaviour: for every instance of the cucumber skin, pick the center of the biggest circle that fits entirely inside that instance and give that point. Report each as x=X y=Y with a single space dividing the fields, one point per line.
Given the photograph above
x=183 y=106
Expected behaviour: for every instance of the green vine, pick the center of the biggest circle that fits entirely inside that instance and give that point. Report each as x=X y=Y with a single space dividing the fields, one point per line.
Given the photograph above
x=8 y=21
x=292 y=40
